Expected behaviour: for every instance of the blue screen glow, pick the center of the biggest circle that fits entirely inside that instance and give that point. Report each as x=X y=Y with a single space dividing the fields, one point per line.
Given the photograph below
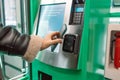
x=79 y=9
x=50 y=19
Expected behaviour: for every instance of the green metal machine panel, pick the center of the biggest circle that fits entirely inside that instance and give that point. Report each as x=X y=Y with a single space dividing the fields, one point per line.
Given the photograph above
x=56 y=73
x=98 y=22
x=34 y=5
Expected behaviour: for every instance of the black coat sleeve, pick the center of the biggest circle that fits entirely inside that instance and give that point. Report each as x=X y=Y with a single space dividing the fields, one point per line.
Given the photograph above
x=12 y=42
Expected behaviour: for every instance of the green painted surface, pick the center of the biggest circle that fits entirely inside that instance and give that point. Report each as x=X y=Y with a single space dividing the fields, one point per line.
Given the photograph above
x=34 y=5
x=92 y=51
x=56 y=73
x=25 y=78
x=98 y=22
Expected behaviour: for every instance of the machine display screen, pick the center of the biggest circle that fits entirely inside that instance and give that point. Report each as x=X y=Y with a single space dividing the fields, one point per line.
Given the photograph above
x=79 y=9
x=50 y=19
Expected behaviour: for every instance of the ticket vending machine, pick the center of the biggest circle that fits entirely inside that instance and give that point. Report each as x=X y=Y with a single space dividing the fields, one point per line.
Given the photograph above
x=60 y=62
x=67 y=18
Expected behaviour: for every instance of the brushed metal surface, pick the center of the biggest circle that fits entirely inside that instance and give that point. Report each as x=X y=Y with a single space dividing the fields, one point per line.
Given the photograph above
x=59 y=59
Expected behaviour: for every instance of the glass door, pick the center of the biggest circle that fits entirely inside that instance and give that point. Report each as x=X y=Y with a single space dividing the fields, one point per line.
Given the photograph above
x=14 y=67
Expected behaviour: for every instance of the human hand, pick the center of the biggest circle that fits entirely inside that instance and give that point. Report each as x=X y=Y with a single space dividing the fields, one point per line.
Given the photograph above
x=51 y=39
